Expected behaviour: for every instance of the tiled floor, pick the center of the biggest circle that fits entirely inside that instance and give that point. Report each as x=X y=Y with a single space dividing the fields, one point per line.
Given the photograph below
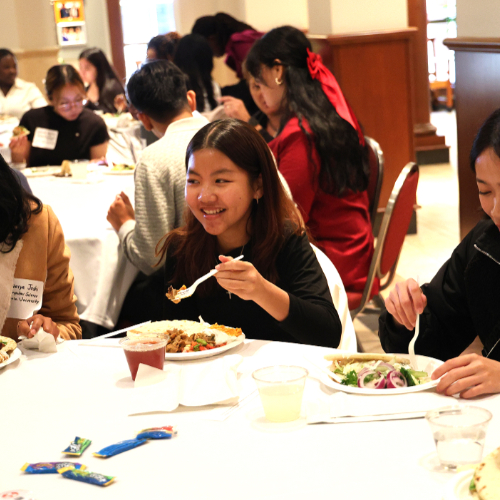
x=437 y=227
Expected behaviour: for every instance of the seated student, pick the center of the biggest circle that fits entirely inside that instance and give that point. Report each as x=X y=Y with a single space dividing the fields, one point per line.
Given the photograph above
x=32 y=248
x=103 y=86
x=163 y=46
x=319 y=148
x=16 y=95
x=461 y=301
x=194 y=57
x=64 y=130
x=237 y=206
x=158 y=92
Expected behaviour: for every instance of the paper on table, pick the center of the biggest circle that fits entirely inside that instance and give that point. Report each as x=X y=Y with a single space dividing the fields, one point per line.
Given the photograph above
x=42 y=341
x=341 y=406
x=197 y=383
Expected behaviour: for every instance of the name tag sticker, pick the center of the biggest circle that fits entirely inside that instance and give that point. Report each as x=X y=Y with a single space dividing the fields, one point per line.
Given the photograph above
x=45 y=138
x=26 y=298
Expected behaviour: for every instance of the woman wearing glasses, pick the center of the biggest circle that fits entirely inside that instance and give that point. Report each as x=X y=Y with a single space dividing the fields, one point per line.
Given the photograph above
x=64 y=130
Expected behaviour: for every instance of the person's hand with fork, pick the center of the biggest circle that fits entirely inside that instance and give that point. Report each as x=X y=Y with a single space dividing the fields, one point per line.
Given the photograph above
x=405 y=301
x=242 y=279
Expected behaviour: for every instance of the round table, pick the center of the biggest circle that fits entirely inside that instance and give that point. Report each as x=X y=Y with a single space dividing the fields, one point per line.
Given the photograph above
x=102 y=273
x=83 y=391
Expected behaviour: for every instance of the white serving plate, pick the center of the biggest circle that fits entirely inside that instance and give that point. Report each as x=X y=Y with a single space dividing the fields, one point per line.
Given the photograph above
x=185 y=356
x=458 y=487
x=425 y=364
x=13 y=357
x=40 y=171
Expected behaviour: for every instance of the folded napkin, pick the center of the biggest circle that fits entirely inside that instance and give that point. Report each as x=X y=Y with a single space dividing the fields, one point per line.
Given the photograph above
x=343 y=407
x=42 y=341
x=195 y=383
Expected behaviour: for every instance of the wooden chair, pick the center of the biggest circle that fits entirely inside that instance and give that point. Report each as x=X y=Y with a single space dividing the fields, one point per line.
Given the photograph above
x=436 y=85
x=376 y=166
x=393 y=229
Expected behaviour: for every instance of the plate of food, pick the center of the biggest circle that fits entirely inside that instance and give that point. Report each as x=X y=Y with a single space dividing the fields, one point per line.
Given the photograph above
x=380 y=374
x=8 y=351
x=46 y=171
x=191 y=339
x=120 y=169
x=480 y=482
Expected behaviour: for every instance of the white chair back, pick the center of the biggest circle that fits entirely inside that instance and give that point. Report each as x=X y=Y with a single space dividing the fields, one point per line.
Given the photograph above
x=339 y=298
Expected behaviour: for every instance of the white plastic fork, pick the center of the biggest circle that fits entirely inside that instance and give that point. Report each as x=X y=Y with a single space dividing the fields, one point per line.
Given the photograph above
x=411 y=347
x=184 y=294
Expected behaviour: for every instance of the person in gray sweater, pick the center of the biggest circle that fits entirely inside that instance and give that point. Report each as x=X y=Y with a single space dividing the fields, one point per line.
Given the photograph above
x=165 y=107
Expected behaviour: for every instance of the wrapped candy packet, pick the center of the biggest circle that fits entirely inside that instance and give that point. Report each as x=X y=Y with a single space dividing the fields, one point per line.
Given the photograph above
x=120 y=447
x=49 y=467
x=78 y=446
x=86 y=476
x=157 y=433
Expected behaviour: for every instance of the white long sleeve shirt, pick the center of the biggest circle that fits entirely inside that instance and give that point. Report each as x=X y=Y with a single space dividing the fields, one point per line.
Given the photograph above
x=21 y=97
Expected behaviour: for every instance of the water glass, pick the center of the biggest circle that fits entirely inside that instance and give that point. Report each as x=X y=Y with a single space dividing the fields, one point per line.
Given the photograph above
x=459 y=433
x=281 y=389
x=79 y=169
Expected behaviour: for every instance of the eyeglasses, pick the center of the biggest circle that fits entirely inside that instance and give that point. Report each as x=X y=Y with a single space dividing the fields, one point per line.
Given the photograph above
x=66 y=106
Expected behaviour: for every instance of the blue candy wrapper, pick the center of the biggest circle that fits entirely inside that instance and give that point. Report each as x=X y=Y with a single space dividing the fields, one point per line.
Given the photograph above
x=86 y=476
x=120 y=447
x=50 y=467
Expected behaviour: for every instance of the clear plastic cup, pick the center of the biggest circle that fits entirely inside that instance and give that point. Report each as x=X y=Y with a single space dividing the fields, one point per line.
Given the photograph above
x=459 y=433
x=146 y=350
x=281 y=389
x=79 y=169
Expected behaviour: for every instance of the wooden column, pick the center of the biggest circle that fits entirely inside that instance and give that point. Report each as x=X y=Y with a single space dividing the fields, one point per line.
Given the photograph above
x=116 y=35
x=477 y=95
x=430 y=147
x=375 y=73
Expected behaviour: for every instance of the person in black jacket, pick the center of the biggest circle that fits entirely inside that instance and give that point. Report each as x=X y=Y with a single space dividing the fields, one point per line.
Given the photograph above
x=238 y=207
x=462 y=300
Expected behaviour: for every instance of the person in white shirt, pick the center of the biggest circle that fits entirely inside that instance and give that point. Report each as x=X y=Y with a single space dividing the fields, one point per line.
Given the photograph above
x=16 y=95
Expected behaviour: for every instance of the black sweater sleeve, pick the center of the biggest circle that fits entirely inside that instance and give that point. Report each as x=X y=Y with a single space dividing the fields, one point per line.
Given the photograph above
x=446 y=327
x=313 y=318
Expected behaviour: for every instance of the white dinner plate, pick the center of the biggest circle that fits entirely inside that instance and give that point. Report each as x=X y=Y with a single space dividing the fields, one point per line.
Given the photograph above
x=184 y=356
x=13 y=357
x=458 y=487
x=40 y=171
x=425 y=363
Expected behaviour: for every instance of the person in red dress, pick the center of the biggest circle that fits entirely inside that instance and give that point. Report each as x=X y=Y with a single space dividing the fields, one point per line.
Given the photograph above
x=319 y=148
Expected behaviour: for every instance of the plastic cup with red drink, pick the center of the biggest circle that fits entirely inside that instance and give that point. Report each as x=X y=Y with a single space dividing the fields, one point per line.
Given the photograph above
x=146 y=350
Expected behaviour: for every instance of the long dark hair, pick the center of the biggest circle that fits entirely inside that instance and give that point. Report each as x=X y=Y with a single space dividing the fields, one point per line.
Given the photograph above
x=195 y=58
x=195 y=249
x=16 y=207
x=222 y=26
x=61 y=75
x=488 y=136
x=106 y=75
x=343 y=160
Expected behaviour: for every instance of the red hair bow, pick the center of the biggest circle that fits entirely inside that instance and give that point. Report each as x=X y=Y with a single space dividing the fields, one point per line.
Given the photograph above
x=318 y=71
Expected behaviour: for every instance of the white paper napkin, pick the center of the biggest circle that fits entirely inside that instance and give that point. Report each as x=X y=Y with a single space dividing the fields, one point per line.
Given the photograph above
x=42 y=341
x=343 y=407
x=196 y=383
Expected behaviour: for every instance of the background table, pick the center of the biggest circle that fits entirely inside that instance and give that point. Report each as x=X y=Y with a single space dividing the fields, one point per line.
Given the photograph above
x=103 y=275
x=83 y=391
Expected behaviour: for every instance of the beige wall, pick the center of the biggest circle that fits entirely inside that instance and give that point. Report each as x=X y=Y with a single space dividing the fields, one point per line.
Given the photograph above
x=341 y=16
x=265 y=15
x=478 y=18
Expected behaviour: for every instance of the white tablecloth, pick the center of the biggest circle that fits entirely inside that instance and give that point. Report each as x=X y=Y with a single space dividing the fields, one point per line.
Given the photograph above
x=84 y=391
x=102 y=273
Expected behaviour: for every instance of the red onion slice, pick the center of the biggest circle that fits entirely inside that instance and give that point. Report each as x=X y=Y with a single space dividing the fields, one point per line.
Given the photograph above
x=395 y=380
x=377 y=382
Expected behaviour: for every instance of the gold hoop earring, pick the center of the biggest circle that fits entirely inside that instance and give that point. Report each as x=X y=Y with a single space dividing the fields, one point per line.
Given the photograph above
x=278 y=82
